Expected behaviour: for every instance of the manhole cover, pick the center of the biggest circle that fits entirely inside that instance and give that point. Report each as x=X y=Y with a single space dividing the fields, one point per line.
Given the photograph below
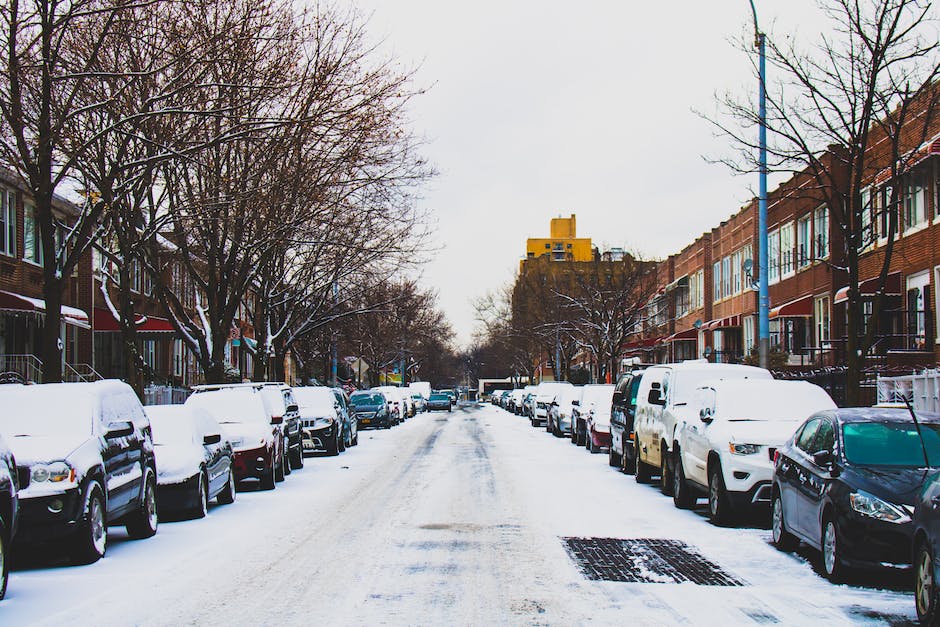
x=645 y=560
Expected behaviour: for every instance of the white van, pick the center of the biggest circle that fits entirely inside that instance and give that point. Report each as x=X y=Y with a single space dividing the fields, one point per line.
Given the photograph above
x=726 y=450
x=664 y=398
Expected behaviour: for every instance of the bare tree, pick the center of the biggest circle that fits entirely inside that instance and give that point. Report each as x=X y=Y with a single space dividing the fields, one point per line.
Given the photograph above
x=846 y=108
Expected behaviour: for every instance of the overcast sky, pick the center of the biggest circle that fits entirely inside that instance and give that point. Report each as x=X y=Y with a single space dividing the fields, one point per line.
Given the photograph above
x=547 y=108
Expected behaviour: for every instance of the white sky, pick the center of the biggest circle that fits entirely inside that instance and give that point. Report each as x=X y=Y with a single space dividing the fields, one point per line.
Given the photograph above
x=540 y=109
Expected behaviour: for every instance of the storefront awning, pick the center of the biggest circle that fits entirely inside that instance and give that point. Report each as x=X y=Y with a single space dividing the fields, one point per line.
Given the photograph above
x=869 y=287
x=688 y=334
x=641 y=344
x=10 y=301
x=799 y=308
x=106 y=322
x=723 y=323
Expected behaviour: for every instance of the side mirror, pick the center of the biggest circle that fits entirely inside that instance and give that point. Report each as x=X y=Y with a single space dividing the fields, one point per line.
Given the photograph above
x=655 y=397
x=705 y=414
x=292 y=409
x=576 y=403
x=120 y=429
x=823 y=458
x=276 y=420
x=212 y=438
x=618 y=398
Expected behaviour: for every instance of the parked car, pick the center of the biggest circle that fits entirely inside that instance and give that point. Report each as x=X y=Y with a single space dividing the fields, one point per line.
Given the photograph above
x=558 y=418
x=663 y=400
x=622 y=414
x=515 y=401
x=726 y=451
x=371 y=409
x=396 y=404
x=280 y=401
x=88 y=453
x=439 y=402
x=255 y=434
x=593 y=411
x=846 y=484
x=351 y=427
x=9 y=510
x=194 y=462
x=926 y=523
x=420 y=402
x=321 y=420
x=545 y=393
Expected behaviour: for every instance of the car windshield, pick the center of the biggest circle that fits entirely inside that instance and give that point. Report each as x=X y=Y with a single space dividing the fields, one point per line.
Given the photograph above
x=231 y=406
x=600 y=396
x=890 y=443
x=364 y=400
x=46 y=411
x=314 y=397
x=171 y=428
x=439 y=397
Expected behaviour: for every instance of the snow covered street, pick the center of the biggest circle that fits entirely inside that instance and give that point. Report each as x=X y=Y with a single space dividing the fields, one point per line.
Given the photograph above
x=451 y=518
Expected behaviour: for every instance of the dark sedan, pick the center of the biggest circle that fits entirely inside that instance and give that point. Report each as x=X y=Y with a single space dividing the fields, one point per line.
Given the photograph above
x=371 y=409
x=926 y=546
x=846 y=483
x=438 y=402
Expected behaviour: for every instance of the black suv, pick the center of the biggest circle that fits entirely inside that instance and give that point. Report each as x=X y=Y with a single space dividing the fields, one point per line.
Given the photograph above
x=622 y=415
x=9 y=510
x=88 y=453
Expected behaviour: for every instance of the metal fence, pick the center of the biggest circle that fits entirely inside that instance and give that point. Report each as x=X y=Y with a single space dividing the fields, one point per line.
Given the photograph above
x=164 y=395
x=922 y=390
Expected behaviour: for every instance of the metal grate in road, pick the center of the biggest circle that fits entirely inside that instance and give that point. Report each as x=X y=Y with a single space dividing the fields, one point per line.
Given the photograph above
x=645 y=560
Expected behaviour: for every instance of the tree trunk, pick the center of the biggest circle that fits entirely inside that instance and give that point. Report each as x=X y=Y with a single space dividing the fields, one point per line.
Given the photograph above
x=51 y=340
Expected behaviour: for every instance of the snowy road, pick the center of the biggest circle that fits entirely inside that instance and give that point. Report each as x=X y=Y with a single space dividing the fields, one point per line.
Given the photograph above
x=451 y=518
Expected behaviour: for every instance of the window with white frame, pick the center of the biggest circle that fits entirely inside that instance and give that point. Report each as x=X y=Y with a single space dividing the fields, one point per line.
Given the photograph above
x=747 y=253
x=821 y=232
x=914 y=189
x=804 y=241
x=773 y=256
x=716 y=281
x=150 y=353
x=749 y=334
x=867 y=235
x=726 y=276
x=135 y=277
x=884 y=210
x=737 y=259
x=821 y=320
x=7 y=223
x=179 y=358
x=787 y=265
x=32 y=242
x=697 y=290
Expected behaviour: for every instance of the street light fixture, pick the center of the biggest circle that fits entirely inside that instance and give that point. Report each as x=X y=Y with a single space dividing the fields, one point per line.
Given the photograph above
x=763 y=299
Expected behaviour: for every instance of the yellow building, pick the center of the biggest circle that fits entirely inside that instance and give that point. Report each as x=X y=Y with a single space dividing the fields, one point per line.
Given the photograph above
x=563 y=245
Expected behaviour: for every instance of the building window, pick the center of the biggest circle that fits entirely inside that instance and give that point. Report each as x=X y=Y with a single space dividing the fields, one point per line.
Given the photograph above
x=919 y=320
x=804 y=241
x=716 y=281
x=867 y=236
x=821 y=320
x=697 y=290
x=737 y=261
x=787 y=265
x=135 y=277
x=150 y=354
x=726 y=277
x=773 y=256
x=884 y=210
x=749 y=334
x=821 y=230
x=32 y=242
x=914 y=185
x=179 y=358
x=7 y=223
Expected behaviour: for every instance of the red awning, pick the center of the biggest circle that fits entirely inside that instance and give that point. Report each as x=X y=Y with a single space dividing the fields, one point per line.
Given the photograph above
x=638 y=344
x=10 y=301
x=869 y=287
x=688 y=334
x=104 y=321
x=799 y=308
x=723 y=323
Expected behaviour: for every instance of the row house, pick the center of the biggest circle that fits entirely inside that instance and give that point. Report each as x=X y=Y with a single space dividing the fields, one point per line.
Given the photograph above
x=22 y=307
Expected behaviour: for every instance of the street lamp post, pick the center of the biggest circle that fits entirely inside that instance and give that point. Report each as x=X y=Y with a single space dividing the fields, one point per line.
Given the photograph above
x=763 y=300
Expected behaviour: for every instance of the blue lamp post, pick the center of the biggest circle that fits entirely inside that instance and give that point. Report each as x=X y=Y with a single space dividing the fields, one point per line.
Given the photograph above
x=763 y=301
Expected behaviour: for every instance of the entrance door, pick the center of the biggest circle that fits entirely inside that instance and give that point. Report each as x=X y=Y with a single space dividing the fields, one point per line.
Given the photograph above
x=918 y=315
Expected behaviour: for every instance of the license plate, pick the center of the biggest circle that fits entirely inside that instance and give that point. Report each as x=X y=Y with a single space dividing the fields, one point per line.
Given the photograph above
x=366 y=421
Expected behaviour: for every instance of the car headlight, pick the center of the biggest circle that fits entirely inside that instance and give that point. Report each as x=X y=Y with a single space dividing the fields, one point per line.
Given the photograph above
x=56 y=472
x=322 y=423
x=873 y=507
x=743 y=449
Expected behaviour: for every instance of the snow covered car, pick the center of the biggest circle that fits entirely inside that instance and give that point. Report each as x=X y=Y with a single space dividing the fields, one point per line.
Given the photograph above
x=726 y=451
x=594 y=411
x=663 y=401
x=321 y=421
x=439 y=402
x=846 y=484
x=350 y=425
x=558 y=419
x=194 y=461
x=545 y=393
x=622 y=415
x=371 y=409
x=396 y=405
x=420 y=402
x=9 y=510
x=87 y=451
x=255 y=435
x=280 y=400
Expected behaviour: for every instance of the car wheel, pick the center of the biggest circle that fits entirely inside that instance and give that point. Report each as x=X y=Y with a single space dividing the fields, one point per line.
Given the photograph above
x=589 y=442
x=628 y=461
x=643 y=471
x=783 y=539
x=4 y=560
x=832 y=561
x=227 y=495
x=341 y=444
x=285 y=457
x=91 y=539
x=269 y=477
x=719 y=508
x=613 y=460
x=279 y=473
x=925 y=588
x=201 y=508
x=682 y=495
x=665 y=477
x=333 y=447
x=297 y=459
x=143 y=523
x=355 y=440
